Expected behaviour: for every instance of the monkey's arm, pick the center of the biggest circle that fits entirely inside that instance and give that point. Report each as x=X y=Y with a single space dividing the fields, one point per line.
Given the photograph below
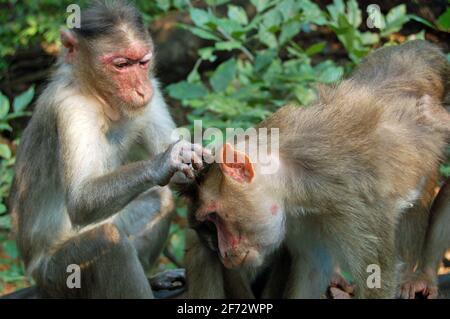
x=94 y=192
x=205 y=279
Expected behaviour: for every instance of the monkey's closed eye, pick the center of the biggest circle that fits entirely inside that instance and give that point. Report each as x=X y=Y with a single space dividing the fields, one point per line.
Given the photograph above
x=121 y=63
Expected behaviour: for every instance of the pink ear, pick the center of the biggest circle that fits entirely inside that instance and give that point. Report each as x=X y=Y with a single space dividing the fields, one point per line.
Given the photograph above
x=69 y=41
x=236 y=164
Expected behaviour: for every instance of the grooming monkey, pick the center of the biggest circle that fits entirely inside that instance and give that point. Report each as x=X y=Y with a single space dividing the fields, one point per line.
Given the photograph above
x=77 y=196
x=354 y=186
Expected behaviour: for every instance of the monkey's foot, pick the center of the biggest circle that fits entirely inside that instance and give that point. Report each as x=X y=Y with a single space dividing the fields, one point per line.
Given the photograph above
x=337 y=281
x=420 y=285
x=169 y=280
x=339 y=288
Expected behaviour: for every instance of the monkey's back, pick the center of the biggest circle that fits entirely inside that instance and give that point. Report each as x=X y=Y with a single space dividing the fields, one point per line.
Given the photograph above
x=414 y=68
x=361 y=134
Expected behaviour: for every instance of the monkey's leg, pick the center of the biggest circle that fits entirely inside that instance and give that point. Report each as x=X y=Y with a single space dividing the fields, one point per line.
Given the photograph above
x=204 y=273
x=436 y=242
x=371 y=260
x=108 y=263
x=309 y=275
x=280 y=270
x=312 y=262
x=146 y=221
x=410 y=238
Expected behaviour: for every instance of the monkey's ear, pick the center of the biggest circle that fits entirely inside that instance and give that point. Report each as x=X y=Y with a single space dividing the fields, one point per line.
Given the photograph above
x=236 y=164
x=69 y=41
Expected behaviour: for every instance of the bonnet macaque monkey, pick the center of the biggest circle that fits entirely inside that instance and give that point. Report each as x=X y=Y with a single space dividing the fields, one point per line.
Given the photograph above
x=353 y=188
x=77 y=197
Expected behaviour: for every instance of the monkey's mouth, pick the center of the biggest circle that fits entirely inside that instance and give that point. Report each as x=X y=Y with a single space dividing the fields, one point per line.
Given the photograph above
x=228 y=242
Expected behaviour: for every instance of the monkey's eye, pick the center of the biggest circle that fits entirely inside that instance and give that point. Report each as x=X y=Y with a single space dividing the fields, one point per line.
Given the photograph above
x=146 y=59
x=121 y=63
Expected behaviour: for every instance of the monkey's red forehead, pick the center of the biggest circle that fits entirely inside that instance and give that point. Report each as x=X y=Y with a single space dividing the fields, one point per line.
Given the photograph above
x=134 y=52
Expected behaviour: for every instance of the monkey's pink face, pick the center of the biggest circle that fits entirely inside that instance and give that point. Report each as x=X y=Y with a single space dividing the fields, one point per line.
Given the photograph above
x=248 y=224
x=128 y=72
x=233 y=244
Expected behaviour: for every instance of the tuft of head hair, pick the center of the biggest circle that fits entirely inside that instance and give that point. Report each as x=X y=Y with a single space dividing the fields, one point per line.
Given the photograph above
x=103 y=18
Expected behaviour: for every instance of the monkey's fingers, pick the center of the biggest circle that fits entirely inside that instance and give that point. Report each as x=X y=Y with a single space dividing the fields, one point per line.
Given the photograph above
x=432 y=292
x=190 y=157
x=407 y=291
x=186 y=169
x=203 y=153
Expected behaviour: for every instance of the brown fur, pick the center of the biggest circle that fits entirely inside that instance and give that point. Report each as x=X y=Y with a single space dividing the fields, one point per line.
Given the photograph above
x=355 y=183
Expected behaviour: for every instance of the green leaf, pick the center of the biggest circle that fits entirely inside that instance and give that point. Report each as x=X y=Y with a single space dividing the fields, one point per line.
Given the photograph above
x=354 y=15
x=289 y=30
x=261 y=5
x=288 y=9
x=312 y=13
x=199 y=17
x=230 y=27
x=186 y=91
x=4 y=106
x=267 y=38
x=304 y=95
x=21 y=101
x=163 y=4
x=207 y=54
x=315 y=48
x=228 y=45
x=5 y=127
x=237 y=14
x=223 y=75
x=5 y=221
x=272 y=19
x=328 y=72
x=5 y=151
x=207 y=35
x=395 y=19
x=10 y=249
x=216 y=2
x=369 y=38
x=264 y=59
x=421 y=20
x=443 y=22
x=194 y=76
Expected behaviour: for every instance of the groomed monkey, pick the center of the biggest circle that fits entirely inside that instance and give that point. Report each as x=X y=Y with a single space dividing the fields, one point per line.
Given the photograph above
x=356 y=175
x=77 y=196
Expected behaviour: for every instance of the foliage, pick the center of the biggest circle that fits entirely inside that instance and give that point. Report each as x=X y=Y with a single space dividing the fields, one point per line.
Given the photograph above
x=29 y=22
x=11 y=270
x=265 y=67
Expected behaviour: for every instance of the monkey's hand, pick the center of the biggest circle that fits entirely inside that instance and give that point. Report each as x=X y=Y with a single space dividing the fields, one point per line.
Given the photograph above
x=180 y=156
x=422 y=283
